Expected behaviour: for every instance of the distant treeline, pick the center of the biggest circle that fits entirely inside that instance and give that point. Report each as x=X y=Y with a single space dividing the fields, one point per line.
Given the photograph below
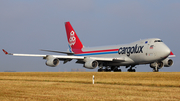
x=78 y=70
x=9 y=71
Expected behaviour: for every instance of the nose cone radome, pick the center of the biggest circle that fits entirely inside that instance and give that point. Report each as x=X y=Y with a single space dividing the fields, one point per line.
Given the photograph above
x=167 y=51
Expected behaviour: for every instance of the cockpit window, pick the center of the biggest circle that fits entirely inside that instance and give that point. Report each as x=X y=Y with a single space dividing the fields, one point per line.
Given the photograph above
x=158 y=41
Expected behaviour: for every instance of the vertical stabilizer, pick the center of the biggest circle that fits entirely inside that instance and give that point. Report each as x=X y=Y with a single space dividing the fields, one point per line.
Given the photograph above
x=75 y=44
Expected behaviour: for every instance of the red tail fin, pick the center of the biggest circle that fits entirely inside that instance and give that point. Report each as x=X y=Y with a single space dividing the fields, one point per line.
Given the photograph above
x=73 y=40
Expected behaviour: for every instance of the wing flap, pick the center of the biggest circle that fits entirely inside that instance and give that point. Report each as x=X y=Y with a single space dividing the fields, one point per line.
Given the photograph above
x=68 y=53
x=119 y=59
x=67 y=57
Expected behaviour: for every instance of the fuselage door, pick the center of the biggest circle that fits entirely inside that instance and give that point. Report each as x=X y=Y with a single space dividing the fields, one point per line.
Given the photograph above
x=150 y=52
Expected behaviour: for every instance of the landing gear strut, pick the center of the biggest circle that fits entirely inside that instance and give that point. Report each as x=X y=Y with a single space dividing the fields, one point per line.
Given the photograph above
x=115 y=69
x=156 y=66
x=156 y=69
x=130 y=69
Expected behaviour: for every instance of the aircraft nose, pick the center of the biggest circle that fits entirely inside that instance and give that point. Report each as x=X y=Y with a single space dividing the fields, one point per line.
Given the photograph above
x=165 y=51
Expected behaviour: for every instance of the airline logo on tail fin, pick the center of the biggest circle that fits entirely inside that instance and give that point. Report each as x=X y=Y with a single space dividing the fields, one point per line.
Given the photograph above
x=73 y=40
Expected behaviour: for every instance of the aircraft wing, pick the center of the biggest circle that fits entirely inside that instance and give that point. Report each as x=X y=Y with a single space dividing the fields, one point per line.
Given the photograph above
x=69 y=57
x=45 y=56
x=32 y=55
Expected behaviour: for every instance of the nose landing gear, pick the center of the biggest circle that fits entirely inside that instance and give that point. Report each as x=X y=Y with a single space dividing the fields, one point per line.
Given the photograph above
x=156 y=69
x=156 y=66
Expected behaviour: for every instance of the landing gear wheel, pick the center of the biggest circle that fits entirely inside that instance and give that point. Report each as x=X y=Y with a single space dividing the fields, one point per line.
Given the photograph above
x=108 y=70
x=117 y=70
x=100 y=70
x=154 y=70
x=131 y=70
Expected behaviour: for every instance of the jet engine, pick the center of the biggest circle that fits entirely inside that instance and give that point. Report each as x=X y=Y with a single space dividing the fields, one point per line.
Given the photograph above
x=160 y=64
x=52 y=62
x=168 y=62
x=91 y=64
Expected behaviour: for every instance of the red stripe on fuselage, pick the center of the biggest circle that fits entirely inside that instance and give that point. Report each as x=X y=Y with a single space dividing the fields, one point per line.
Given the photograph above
x=78 y=51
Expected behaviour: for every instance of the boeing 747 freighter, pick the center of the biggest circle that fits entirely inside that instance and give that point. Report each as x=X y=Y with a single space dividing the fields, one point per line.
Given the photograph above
x=109 y=58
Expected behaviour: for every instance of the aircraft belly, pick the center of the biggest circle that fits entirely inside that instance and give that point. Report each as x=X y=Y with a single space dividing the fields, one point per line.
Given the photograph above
x=119 y=63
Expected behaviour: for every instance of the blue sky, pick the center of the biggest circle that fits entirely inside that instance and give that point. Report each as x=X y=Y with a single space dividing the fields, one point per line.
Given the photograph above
x=29 y=25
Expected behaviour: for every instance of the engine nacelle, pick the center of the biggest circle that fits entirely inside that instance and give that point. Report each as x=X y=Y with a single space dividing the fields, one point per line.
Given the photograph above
x=52 y=62
x=160 y=64
x=91 y=64
x=167 y=62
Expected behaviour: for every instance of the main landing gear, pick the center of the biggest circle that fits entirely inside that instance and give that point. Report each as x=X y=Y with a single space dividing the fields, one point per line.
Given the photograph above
x=115 y=68
x=130 y=69
x=109 y=69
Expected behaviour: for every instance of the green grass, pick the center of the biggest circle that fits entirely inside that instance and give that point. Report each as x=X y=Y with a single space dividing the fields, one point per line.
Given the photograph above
x=78 y=86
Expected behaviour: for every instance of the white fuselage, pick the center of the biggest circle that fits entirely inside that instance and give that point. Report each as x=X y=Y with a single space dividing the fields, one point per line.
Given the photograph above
x=139 y=52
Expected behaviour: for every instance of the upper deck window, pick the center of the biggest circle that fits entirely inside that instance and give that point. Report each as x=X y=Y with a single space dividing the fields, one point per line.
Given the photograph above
x=158 y=41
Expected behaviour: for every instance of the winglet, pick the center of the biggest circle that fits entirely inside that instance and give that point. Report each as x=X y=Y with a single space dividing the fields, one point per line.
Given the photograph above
x=5 y=51
x=171 y=54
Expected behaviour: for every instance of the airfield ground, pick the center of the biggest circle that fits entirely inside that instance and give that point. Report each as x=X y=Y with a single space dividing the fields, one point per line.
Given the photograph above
x=139 y=86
